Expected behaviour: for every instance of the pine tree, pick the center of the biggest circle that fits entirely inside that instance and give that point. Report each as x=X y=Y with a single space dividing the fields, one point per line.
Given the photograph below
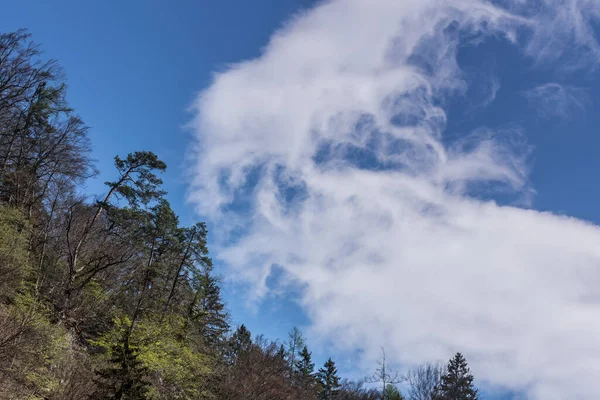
x=457 y=382
x=304 y=366
x=126 y=377
x=304 y=373
x=210 y=309
x=328 y=380
x=240 y=342
x=281 y=353
x=392 y=393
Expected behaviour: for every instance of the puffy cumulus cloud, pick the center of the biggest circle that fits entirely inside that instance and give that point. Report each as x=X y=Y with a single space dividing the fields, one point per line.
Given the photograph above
x=326 y=156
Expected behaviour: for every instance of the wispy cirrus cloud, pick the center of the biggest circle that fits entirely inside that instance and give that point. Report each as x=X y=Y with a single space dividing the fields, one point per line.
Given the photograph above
x=326 y=156
x=555 y=100
x=561 y=29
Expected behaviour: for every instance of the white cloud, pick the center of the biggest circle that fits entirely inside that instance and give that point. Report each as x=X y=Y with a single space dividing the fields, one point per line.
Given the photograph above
x=555 y=100
x=563 y=27
x=329 y=146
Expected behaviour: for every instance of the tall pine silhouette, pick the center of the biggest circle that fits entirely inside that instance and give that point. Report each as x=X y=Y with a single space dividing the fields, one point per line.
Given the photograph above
x=457 y=382
x=305 y=366
x=304 y=372
x=329 y=381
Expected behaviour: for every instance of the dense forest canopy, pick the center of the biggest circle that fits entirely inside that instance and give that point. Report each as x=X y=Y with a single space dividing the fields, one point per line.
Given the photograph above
x=107 y=296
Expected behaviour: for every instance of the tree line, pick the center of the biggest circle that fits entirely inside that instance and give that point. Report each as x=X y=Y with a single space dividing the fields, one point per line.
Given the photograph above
x=110 y=297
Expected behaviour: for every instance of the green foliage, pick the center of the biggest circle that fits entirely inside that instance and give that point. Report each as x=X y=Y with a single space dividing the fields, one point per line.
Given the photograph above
x=392 y=393
x=328 y=381
x=154 y=359
x=208 y=309
x=457 y=382
x=281 y=353
x=137 y=181
x=14 y=265
x=238 y=344
x=125 y=377
x=305 y=373
x=119 y=373
x=33 y=350
x=172 y=358
x=304 y=365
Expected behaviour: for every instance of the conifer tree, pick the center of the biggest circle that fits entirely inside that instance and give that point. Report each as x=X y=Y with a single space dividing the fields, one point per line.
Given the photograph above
x=240 y=342
x=457 y=382
x=304 y=366
x=126 y=376
x=210 y=309
x=392 y=393
x=304 y=374
x=328 y=380
x=281 y=353
x=242 y=338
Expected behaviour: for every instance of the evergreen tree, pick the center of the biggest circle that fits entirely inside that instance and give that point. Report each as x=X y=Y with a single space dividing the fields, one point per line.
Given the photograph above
x=126 y=377
x=281 y=353
x=193 y=262
x=392 y=393
x=210 y=309
x=328 y=380
x=457 y=382
x=239 y=343
x=304 y=374
x=242 y=338
x=304 y=366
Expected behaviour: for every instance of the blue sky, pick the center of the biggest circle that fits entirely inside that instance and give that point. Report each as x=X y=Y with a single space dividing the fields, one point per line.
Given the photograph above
x=457 y=152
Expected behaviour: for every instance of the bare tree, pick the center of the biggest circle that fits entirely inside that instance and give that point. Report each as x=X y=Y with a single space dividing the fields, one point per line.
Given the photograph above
x=41 y=140
x=295 y=343
x=383 y=376
x=423 y=380
x=354 y=391
x=259 y=374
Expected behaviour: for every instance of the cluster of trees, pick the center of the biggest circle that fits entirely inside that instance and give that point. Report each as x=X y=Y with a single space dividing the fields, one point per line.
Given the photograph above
x=263 y=370
x=112 y=298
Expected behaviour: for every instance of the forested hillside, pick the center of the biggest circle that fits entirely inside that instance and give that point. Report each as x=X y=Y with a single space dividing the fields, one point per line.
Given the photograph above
x=107 y=296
